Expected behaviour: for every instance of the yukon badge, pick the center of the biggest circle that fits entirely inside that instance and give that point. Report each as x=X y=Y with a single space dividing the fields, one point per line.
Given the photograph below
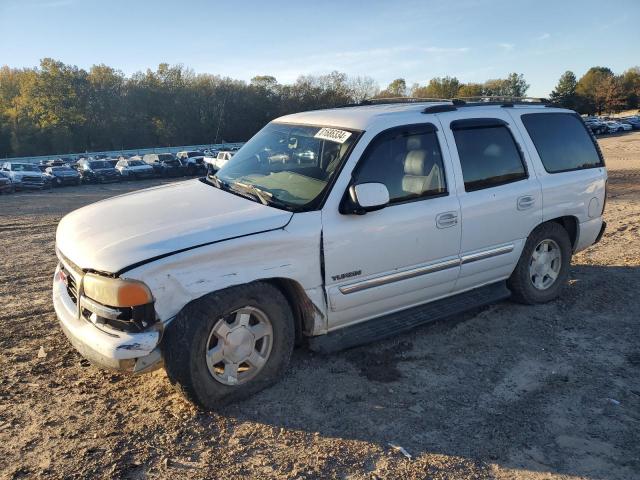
x=342 y=276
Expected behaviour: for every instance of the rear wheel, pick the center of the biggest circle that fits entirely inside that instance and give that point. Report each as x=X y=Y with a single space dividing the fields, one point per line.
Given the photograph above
x=543 y=267
x=228 y=345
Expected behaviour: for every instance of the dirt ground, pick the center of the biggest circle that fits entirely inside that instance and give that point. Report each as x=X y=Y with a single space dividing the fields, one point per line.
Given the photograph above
x=508 y=392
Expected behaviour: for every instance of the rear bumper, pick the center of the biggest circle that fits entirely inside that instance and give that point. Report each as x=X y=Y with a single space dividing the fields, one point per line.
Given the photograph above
x=105 y=347
x=602 y=229
x=589 y=233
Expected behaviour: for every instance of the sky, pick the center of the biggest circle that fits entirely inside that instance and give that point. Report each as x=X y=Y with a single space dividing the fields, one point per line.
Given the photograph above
x=473 y=40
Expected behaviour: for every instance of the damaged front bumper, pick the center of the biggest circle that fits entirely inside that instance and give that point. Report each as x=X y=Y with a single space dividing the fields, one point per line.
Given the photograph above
x=132 y=352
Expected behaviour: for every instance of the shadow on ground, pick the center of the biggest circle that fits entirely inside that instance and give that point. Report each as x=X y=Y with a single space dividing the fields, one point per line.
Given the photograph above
x=552 y=388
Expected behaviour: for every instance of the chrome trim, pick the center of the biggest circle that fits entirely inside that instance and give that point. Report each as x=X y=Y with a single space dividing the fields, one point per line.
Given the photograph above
x=394 y=277
x=494 y=252
x=416 y=272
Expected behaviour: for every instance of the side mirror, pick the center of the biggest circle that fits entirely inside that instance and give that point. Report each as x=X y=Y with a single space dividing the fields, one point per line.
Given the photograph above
x=365 y=197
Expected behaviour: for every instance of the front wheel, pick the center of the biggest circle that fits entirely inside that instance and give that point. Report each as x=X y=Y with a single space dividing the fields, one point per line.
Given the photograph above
x=228 y=345
x=543 y=267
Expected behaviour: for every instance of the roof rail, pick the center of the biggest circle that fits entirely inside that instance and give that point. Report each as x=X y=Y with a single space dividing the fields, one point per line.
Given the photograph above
x=481 y=101
x=392 y=100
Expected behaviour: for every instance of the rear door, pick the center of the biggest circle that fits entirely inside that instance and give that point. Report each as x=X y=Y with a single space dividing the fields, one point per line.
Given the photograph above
x=500 y=195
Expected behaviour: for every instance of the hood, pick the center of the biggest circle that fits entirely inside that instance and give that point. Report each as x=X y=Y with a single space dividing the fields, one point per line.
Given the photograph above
x=116 y=233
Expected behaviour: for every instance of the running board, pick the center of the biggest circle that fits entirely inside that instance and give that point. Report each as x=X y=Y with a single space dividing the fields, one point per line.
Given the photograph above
x=405 y=320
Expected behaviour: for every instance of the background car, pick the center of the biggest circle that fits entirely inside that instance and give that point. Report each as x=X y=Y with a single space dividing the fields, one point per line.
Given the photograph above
x=134 y=169
x=63 y=175
x=597 y=126
x=193 y=160
x=6 y=185
x=633 y=121
x=25 y=175
x=220 y=160
x=165 y=164
x=97 y=171
x=615 y=127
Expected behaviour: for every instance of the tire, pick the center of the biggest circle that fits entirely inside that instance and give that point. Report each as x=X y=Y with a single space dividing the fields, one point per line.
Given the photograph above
x=521 y=282
x=189 y=337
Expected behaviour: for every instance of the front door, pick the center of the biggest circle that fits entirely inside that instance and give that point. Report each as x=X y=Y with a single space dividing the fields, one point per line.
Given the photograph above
x=405 y=254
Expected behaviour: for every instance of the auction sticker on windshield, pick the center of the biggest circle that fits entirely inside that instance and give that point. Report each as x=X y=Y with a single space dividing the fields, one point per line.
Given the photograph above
x=333 y=135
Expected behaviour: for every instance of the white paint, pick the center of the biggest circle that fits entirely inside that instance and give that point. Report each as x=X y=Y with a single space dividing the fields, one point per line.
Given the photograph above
x=112 y=234
x=246 y=241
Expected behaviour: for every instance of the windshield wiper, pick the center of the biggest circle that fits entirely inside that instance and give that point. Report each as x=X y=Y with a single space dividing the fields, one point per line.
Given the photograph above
x=216 y=182
x=264 y=197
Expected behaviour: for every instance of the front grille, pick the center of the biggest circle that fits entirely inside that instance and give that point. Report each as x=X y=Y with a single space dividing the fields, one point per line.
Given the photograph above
x=72 y=286
x=32 y=179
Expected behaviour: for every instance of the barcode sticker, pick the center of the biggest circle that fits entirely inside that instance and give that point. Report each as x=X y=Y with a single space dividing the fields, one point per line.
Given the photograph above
x=333 y=135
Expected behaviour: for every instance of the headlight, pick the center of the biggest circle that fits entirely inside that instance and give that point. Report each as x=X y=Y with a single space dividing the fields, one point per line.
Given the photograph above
x=116 y=292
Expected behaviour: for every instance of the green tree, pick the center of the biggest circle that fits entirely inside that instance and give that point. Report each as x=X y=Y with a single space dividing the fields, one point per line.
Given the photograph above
x=592 y=88
x=445 y=87
x=515 y=85
x=631 y=85
x=397 y=88
x=470 y=90
x=565 y=92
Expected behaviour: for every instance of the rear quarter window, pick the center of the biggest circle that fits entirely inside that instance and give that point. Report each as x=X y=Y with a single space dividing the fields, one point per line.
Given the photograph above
x=562 y=141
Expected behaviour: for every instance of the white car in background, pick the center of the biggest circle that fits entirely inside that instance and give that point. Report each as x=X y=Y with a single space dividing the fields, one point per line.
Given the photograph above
x=614 y=126
x=220 y=160
x=193 y=160
x=25 y=175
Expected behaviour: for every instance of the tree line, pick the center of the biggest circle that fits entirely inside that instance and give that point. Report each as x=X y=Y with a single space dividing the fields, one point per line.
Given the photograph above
x=60 y=108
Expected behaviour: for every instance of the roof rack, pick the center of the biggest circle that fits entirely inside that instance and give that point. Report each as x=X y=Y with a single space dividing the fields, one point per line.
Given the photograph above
x=392 y=100
x=481 y=101
x=454 y=103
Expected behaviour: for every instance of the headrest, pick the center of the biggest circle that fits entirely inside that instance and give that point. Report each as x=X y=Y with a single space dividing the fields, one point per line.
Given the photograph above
x=414 y=162
x=414 y=142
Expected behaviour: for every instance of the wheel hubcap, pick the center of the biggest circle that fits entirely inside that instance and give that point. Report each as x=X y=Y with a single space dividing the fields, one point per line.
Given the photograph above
x=545 y=264
x=239 y=345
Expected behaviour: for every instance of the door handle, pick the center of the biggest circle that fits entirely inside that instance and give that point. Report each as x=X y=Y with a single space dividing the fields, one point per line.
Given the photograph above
x=446 y=219
x=526 y=201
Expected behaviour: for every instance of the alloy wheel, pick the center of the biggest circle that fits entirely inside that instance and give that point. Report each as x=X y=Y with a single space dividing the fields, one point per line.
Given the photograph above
x=545 y=264
x=239 y=346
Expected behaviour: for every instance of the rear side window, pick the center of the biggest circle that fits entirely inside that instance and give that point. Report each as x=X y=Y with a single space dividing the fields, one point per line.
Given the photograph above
x=562 y=141
x=488 y=154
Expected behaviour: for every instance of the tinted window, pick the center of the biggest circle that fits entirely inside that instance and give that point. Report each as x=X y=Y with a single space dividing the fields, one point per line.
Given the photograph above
x=408 y=161
x=488 y=157
x=562 y=141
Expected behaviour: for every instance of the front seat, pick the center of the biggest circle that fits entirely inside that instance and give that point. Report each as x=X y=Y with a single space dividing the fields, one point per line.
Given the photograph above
x=421 y=174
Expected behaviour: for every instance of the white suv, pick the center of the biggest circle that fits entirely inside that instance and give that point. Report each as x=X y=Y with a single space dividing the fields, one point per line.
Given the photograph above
x=220 y=159
x=407 y=213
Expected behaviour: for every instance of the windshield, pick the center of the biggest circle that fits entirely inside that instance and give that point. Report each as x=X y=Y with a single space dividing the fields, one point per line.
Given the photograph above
x=24 y=167
x=194 y=154
x=135 y=163
x=98 y=165
x=290 y=164
x=167 y=157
